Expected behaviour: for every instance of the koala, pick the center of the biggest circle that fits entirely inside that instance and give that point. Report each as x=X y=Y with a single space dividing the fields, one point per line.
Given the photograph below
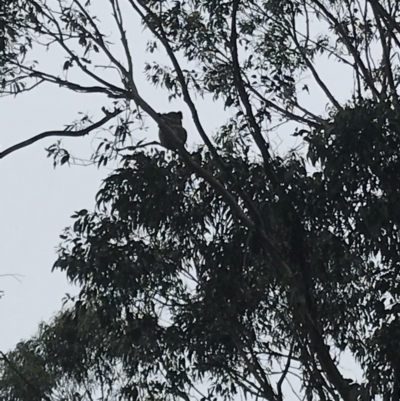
x=174 y=120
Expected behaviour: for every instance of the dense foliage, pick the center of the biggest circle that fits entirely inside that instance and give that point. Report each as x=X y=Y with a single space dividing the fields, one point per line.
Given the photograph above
x=225 y=270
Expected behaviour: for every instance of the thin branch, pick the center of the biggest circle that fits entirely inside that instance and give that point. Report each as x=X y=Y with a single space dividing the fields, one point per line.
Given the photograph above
x=304 y=36
x=253 y=365
x=237 y=76
x=122 y=31
x=366 y=73
x=132 y=148
x=125 y=44
x=98 y=39
x=386 y=57
x=295 y=391
x=5 y=93
x=353 y=27
x=15 y=276
x=63 y=133
x=117 y=94
x=58 y=37
x=287 y=113
x=285 y=372
x=367 y=50
x=311 y=67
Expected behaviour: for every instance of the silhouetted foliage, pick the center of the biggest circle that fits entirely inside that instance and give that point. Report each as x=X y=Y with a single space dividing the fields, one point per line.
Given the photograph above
x=226 y=270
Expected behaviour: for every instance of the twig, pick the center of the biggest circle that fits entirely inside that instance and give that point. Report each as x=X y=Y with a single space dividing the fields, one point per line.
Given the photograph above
x=15 y=276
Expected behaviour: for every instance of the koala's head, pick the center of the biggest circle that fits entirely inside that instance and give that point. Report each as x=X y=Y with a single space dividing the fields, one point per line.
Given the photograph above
x=173 y=116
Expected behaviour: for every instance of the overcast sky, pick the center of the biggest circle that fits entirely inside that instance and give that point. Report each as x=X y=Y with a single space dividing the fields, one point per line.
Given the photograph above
x=36 y=201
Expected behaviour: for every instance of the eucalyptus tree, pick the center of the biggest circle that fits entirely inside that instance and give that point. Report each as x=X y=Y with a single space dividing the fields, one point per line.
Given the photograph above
x=228 y=269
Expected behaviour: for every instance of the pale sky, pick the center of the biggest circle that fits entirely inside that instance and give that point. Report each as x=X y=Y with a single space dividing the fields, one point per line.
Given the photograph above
x=36 y=201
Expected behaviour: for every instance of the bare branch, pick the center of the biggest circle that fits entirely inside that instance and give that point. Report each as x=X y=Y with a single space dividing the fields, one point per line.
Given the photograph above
x=119 y=20
x=63 y=133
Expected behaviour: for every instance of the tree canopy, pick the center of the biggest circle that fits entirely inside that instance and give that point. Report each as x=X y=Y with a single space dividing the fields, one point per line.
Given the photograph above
x=227 y=269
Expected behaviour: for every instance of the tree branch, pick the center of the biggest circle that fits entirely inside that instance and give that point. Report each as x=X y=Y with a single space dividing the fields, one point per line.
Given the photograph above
x=62 y=133
x=285 y=372
x=357 y=59
x=244 y=97
x=311 y=67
